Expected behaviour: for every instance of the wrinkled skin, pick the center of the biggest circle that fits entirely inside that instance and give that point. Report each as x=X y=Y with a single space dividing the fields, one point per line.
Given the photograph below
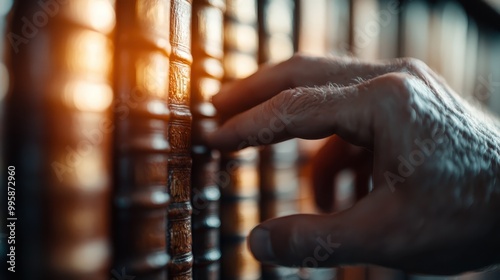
x=435 y=206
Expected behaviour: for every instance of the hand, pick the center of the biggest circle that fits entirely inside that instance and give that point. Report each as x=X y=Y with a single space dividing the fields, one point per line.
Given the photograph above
x=435 y=207
x=335 y=156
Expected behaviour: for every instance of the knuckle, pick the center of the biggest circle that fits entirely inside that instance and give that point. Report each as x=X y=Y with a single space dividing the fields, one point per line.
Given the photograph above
x=294 y=68
x=412 y=64
x=399 y=88
x=299 y=58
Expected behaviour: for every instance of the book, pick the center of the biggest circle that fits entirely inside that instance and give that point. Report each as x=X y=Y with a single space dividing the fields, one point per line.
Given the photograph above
x=279 y=182
x=239 y=183
x=207 y=72
x=141 y=146
x=58 y=116
x=179 y=135
x=238 y=174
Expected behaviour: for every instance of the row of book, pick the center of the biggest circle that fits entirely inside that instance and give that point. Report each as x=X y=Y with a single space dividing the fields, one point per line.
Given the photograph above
x=104 y=118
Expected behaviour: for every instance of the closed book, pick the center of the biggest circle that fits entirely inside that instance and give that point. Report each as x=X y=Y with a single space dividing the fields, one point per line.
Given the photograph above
x=141 y=146
x=60 y=126
x=207 y=73
x=179 y=137
x=238 y=177
x=278 y=169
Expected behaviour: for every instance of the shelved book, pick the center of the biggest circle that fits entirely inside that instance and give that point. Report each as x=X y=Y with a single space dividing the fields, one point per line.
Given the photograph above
x=278 y=167
x=141 y=144
x=179 y=137
x=238 y=175
x=207 y=73
x=58 y=116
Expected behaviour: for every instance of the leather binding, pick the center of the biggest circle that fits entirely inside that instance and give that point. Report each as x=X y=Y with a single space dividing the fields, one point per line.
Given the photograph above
x=60 y=126
x=141 y=146
x=238 y=175
x=179 y=136
x=206 y=76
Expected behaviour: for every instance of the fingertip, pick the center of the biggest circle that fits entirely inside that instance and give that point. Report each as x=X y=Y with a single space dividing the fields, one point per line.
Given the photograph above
x=218 y=99
x=224 y=140
x=259 y=242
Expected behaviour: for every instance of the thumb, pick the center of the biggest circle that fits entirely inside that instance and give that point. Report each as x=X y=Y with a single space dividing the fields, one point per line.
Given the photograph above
x=306 y=240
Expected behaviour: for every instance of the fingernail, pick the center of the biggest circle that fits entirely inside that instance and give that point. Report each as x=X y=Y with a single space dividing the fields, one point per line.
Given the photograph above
x=260 y=245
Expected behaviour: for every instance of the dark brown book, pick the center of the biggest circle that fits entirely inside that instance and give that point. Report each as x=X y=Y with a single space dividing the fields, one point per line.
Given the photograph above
x=207 y=72
x=60 y=126
x=141 y=146
x=238 y=176
x=179 y=136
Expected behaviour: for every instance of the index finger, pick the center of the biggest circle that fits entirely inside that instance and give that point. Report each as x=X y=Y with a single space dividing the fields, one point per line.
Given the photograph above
x=355 y=113
x=299 y=71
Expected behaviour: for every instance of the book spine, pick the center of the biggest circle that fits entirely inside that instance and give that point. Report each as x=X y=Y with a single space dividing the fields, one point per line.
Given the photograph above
x=60 y=126
x=141 y=145
x=207 y=72
x=238 y=177
x=279 y=178
x=179 y=134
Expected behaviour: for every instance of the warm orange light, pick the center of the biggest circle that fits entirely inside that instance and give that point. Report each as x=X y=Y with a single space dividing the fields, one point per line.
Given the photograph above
x=89 y=52
x=98 y=14
x=243 y=10
x=239 y=65
x=152 y=74
x=210 y=30
x=209 y=87
x=88 y=96
x=241 y=37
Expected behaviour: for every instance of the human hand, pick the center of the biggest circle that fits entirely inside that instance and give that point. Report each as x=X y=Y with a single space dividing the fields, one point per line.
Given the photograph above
x=436 y=164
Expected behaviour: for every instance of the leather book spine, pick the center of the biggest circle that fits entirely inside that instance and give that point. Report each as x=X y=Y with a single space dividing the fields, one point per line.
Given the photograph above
x=206 y=76
x=141 y=146
x=238 y=176
x=179 y=134
x=60 y=126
